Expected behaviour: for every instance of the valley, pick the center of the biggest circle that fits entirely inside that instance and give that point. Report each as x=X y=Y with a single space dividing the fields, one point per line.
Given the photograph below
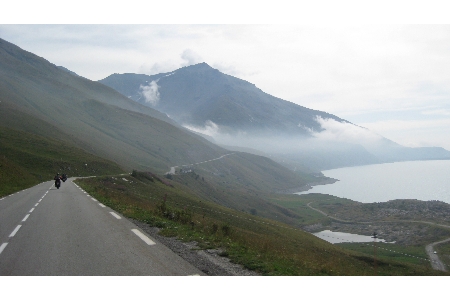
x=158 y=164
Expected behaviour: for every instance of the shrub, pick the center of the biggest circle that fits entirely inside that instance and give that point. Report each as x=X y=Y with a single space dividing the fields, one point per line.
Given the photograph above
x=226 y=230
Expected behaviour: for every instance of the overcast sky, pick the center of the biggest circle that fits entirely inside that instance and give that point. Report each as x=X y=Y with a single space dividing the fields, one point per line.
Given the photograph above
x=392 y=79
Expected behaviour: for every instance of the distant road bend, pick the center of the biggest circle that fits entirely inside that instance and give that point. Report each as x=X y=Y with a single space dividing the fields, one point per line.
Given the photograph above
x=436 y=263
x=48 y=231
x=172 y=169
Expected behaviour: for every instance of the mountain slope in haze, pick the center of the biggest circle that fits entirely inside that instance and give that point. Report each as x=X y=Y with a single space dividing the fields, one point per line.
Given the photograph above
x=235 y=113
x=197 y=94
x=38 y=97
x=92 y=116
x=27 y=159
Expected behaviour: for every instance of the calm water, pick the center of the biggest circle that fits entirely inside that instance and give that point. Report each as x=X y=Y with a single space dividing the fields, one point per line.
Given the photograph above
x=422 y=180
x=342 y=237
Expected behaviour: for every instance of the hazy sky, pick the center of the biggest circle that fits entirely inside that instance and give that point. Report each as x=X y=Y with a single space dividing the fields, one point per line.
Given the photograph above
x=392 y=79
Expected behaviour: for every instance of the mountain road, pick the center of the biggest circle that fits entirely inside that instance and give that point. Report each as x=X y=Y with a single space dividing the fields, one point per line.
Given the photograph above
x=48 y=231
x=172 y=169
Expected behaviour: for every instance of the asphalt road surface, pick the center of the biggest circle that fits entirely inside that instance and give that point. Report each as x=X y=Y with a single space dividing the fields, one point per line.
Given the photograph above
x=48 y=231
x=436 y=263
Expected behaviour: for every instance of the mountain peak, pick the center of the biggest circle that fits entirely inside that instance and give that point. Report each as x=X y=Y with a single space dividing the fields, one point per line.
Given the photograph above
x=199 y=68
x=202 y=65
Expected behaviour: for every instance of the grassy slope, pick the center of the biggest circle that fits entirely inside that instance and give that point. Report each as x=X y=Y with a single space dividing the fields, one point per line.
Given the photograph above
x=443 y=250
x=270 y=247
x=27 y=159
x=346 y=209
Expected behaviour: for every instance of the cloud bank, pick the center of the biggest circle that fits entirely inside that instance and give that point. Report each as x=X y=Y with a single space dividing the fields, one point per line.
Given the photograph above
x=344 y=132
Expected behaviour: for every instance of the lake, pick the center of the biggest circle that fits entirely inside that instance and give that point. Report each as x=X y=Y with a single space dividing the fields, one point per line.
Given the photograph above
x=343 y=237
x=422 y=180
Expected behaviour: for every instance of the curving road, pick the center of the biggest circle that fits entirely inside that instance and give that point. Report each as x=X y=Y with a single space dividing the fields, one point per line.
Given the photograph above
x=172 y=169
x=436 y=263
x=46 y=231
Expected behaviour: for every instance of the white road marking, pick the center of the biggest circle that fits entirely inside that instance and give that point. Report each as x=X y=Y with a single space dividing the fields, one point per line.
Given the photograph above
x=101 y=205
x=93 y=199
x=40 y=200
x=36 y=204
x=15 y=231
x=2 y=198
x=115 y=215
x=2 y=247
x=26 y=217
x=143 y=237
x=194 y=275
x=31 y=210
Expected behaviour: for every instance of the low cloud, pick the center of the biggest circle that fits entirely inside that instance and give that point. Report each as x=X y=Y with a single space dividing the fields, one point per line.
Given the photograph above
x=150 y=92
x=157 y=68
x=190 y=58
x=210 y=129
x=344 y=132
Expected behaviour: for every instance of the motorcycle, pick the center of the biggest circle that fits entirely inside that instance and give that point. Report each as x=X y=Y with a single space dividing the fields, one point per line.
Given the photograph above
x=57 y=184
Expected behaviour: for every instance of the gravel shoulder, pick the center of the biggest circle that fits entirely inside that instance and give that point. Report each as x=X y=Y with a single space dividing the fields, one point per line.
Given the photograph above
x=208 y=261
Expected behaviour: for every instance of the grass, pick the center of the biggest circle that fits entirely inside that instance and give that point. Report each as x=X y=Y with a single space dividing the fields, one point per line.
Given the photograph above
x=298 y=204
x=413 y=236
x=443 y=251
x=27 y=159
x=410 y=254
x=266 y=246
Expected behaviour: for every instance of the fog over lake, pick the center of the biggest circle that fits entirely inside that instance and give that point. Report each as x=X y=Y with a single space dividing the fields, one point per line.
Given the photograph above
x=422 y=180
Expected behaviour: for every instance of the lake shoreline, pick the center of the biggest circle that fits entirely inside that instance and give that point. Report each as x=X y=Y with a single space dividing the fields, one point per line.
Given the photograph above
x=421 y=180
x=307 y=187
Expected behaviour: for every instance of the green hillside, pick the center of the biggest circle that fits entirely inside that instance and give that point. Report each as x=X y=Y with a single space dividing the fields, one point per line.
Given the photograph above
x=266 y=246
x=27 y=159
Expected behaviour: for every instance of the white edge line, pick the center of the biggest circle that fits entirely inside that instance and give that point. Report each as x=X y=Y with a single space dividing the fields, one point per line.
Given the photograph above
x=115 y=215
x=26 y=217
x=101 y=205
x=2 y=247
x=15 y=231
x=143 y=237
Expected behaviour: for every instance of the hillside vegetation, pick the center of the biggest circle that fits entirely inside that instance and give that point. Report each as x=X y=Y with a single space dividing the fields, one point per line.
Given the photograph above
x=27 y=159
x=266 y=246
x=407 y=225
